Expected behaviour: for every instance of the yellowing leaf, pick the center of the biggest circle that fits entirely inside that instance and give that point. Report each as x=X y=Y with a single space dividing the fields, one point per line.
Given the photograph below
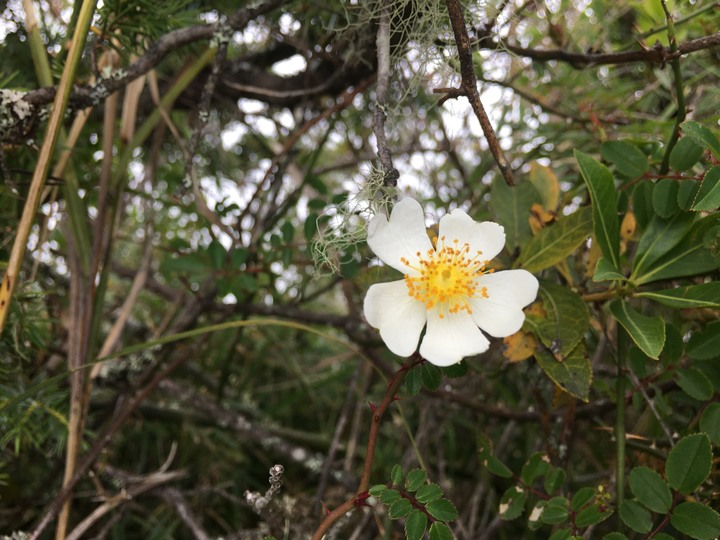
x=546 y=182
x=519 y=346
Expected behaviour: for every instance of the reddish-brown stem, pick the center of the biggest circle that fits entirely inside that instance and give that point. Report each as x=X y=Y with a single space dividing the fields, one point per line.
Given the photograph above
x=378 y=412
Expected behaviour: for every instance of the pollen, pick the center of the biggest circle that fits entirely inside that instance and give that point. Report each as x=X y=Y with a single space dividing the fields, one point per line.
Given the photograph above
x=446 y=276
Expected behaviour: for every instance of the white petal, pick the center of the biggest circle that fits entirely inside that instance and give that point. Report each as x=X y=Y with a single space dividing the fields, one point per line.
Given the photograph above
x=487 y=237
x=403 y=236
x=451 y=338
x=509 y=291
x=399 y=317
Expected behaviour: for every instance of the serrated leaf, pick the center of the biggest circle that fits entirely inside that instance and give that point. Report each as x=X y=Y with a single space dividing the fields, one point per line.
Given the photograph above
x=606 y=226
x=456 y=370
x=428 y=493
x=605 y=271
x=377 y=490
x=413 y=381
x=650 y=489
x=685 y=154
x=688 y=464
x=497 y=467
x=415 y=525
x=696 y=520
x=561 y=534
x=512 y=210
x=581 y=498
x=702 y=136
x=591 y=515
x=554 y=480
x=648 y=333
x=635 y=516
x=573 y=374
x=396 y=475
x=555 y=511
x=431 y=376
x=686 y=194
x=536 y=466
x=705 y=295
x=694 y=383
x=710 y=422
x=708 y=196
x=705 y=345
x=440 y=531
x=442 y=510
x=628 y=159
x=660 y=236
x=546 y=183
x=415 y=479
x=555 y=243
x=389 y=496
x=399 y=508
x=566 y=319
x=665 y=197
x=512 y=503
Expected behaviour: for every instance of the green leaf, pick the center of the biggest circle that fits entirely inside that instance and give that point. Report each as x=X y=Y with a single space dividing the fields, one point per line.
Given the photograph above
x=377 y=490
x=554 y=480
x=591 y=515
x=710 y=422
x=648 y=333
x=310 y=227
x=695 y=383
x=497 y=467
x=665 y=197
x=561 y=534
x=604 y=201
x=635 y=516
x=705 y=295
x=555 y=243
x=512 y=210
x=605 y=271
x=615 y=536
x=546 y=183
x=430 y=375
x=628 y=159
x=440 y=531
x=702 y=136
x=428 y=493
x=217 y=253
x=288 y=232
x=708 y=196
x=415 y=479
x=400 y=508
x=573 y=373
x=536 y=466
x=685 y=154
x=415 y=525
x=192 y=263
x=238 y=258
x=442 y=510
x=688 y=464
x=456 y=370
x=389 y=496
x=660 y=236
x=566 y=319
x=413 y=381
x=396 y=475
x=686 y=193
x=642 y=203
x=696 y=520
x=582 y=497
x=555 y=511
x=512 y=503
x=705 y=345
x=650 y=489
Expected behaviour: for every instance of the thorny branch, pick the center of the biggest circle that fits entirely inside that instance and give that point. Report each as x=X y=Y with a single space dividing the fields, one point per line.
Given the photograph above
x=469 y=89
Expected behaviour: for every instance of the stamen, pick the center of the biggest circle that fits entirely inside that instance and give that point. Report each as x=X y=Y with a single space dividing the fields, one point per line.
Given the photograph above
x=446 y=277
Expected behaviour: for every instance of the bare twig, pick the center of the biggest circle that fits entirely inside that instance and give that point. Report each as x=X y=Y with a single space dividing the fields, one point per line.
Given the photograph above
x=390 y=173
x=469 y=89
x=176 y=499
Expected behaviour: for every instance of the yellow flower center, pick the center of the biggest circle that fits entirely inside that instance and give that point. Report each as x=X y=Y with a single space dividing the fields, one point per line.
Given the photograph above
x=447 y=277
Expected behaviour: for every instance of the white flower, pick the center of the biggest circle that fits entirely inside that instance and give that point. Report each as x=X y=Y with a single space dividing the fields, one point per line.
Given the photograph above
x=447 y=285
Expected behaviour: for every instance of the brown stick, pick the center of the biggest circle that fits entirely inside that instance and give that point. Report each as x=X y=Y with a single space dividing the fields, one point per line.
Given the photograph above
x=469 y=89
